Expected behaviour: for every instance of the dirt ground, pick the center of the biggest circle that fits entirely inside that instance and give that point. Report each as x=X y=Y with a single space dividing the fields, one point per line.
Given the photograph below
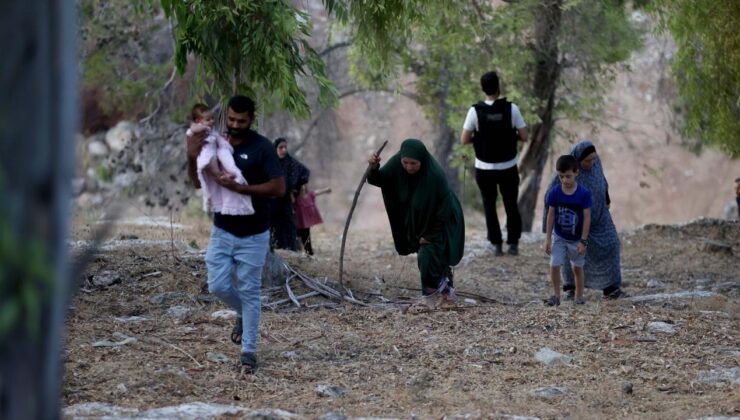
x=475 y=359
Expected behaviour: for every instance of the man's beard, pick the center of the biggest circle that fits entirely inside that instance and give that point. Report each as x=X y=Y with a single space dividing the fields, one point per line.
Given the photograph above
x=238 y=133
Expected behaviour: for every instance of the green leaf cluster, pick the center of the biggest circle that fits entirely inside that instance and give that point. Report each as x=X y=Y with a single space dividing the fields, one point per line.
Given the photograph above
x=706 y=66
x=259 y=48
x=117 y=63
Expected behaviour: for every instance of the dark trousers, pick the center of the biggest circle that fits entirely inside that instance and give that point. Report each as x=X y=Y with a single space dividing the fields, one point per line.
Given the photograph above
x=507 y=181
x=305 y=235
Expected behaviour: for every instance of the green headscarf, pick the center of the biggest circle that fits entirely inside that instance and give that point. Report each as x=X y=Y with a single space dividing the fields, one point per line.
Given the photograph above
x=422 y=204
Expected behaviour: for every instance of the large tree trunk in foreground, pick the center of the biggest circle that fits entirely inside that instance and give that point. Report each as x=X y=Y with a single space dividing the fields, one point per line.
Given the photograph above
x=38 y=115
x=546 y=79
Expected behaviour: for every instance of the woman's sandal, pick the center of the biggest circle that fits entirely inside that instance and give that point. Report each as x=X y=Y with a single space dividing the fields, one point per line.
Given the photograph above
x=249 y=363
x=236 y=332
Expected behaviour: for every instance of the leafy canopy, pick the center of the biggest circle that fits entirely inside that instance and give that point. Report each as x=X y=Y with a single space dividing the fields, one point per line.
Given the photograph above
x=707 y=66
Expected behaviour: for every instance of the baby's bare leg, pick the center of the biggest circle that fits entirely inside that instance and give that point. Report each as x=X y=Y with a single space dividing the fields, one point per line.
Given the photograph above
x=213 y=168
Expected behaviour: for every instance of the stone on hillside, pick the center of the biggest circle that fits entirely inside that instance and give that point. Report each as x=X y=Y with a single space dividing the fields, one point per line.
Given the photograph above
x=131 y=319
x=216 y=357
x=123 y=337
x=120 y=136
x=550 y=357
x=97 y=148
x=548 y=393
x=331 y=391
x=660 y=297
x=731 y=375
x=124 y=180
x=627 y=387
x=655 y=284
x=179 y=312
x=662 y=327
x=510 y=417
x=224 y=314
x=333 y=416
x=709 y=245
x=106 y=278
x=271 y=414
x=97 y=410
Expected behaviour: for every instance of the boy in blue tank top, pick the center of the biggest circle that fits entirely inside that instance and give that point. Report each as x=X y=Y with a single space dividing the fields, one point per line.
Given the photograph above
x=569 y=216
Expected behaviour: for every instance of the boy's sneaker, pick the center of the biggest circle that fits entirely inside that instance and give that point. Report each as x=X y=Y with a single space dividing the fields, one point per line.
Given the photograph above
x=513 y=249
x=499 y=251
x=570 y=294
x=553 y=301
x=579 y=301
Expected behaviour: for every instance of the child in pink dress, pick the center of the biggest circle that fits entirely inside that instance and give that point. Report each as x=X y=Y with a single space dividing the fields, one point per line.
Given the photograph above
x=216 y=159
x=307 y=215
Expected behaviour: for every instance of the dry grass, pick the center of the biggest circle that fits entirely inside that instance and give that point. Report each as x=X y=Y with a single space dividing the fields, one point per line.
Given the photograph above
x=473 y=359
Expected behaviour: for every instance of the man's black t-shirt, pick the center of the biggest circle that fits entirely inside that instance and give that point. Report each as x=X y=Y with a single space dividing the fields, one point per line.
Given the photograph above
x=257 y=159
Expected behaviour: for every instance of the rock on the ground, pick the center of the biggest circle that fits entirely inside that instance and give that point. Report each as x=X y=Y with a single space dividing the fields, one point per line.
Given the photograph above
x=216 y=357
x=179 y=312
x=131 y=319
x=271 y=414
x=627 y=387
x=731 y=375
x=120 y=136
x=660 y=297
x=548 y=393
x=550 y=357
x=655 y=284
x=333 y=416
x=224 y=314
x=108 y=343
x=331 y=391
x=662 y=327
x=106 y=278
x=97 y=148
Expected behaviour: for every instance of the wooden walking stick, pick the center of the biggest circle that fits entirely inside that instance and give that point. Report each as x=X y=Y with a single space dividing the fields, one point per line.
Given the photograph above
x=351 y=210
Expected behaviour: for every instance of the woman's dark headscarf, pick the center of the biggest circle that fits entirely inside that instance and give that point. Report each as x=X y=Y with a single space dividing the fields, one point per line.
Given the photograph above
x=421 y=204
x=296 y=174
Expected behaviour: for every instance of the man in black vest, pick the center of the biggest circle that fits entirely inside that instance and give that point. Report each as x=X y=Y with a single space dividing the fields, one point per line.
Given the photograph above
x=494 y=126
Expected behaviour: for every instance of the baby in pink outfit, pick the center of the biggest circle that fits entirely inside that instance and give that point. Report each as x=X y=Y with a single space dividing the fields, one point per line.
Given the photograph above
x=215 y=160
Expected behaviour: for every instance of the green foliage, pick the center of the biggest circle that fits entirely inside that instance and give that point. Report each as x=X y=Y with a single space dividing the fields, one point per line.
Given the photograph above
x=461 y=41
x=115 y=38
x=706 y=66
x=25 y=277
x=257 y=48
x=104 y=173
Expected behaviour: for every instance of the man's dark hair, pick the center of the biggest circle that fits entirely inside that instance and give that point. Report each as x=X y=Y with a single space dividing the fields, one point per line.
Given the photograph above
x=566 y=163
x=737 y=179
x=198 y=110
x=489 y=83
x=241 y=104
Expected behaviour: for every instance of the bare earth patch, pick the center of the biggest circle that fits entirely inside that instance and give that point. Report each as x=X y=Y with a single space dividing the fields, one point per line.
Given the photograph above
x=630 y=359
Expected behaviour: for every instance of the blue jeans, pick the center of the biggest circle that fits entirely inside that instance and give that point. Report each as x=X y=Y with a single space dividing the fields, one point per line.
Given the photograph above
x=247 y=254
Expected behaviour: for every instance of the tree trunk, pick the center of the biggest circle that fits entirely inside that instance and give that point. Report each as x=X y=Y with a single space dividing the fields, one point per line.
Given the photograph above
x=39 y=116
x=445 y=135
x=546 y=78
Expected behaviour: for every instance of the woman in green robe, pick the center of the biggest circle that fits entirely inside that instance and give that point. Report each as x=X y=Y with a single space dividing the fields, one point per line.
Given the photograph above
x=425 y=215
